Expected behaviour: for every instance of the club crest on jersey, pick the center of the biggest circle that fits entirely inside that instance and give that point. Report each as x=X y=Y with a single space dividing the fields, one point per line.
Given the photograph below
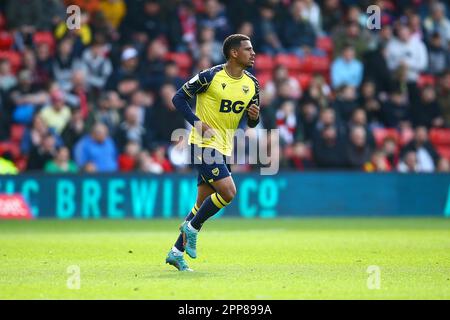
x=245 y=89
x=215 y=171
x=224 y=85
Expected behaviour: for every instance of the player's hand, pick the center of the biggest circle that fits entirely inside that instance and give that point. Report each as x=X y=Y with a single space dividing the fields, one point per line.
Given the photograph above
x=253 y=112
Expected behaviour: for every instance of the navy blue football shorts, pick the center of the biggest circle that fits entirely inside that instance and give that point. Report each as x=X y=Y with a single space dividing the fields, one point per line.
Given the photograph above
x=210 y=164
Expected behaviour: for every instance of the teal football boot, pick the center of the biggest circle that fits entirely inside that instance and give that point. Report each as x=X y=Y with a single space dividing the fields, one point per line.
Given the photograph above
x=177 y=261
x=189 y=240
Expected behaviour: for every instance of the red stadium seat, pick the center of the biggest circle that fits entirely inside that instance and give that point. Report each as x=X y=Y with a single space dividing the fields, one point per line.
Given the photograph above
x=440 y=137
x=21 y=163
x=444 y=151
x=426 y=80
x=319 y=64
x=326 y=44
x=264 y=78
x=304 y=79
x=264 y=63
x=406 y=135
x=45 y=37
x=14 y=58
x=6 y=40
x=290 y=61
x=11 y=147
x=17 y=132
x=381 y=133
x=183 y=60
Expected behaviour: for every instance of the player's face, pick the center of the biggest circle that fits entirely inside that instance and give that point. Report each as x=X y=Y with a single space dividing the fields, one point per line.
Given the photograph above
x=246 y=55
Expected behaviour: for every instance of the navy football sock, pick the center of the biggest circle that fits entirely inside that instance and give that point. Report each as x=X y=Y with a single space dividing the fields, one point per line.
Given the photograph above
x=210 y=207
x=179 y=242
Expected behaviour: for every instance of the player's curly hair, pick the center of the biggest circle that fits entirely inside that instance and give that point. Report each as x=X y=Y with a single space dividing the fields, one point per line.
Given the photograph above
x=233 y=42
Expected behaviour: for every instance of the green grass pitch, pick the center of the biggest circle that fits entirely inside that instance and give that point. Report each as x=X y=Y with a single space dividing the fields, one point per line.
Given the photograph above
x=238 y=259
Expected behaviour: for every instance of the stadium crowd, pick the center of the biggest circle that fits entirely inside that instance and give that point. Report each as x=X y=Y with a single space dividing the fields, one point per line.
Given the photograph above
x=344 y=96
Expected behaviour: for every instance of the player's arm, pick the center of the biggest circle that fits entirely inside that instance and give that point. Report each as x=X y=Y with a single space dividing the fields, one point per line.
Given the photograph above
x=253 y=108
x=196 y=85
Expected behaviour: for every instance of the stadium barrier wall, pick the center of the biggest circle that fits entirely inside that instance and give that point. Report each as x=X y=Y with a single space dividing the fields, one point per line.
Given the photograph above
x=143 y=196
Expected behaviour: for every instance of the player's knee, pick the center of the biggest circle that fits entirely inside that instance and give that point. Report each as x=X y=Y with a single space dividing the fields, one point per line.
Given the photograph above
x=229 y=194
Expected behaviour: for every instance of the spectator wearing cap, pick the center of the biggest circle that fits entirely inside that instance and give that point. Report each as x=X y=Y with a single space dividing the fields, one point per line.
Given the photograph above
x=96 y=152
x=405 y=51
x=346 y=69
x=128 y=69
x=57 y=114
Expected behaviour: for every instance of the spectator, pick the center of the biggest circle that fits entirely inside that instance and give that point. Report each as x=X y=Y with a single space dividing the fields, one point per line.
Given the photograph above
x=309 y=114
x=299 y=36
x=271 y=43
x=345 y=102
x=96 y=152
x=391 y=151
x=426 y=156
x=444 y=96
x=153 y=65
x=25 y=98
x=287 y=122
x=128 y=159
x=130 y=130
x=331 y=15
x=358 y=150
x=107 y=111
x=164 y=109
x=113 y=11
x=359 y=119
x=44 y=63
x=378 y=163
x=329 y=150
x=281 y=75
x=34 y=136
x=408 y=163
x=209 y=46
x=438 y=22
x=128 y=69
x=57 y=114
x=215 y=17
x=159 y=156
x=427 y=111
x=147 y=164
x=79 y=96
x=42 y=153
x=437 y=55
x=370 y=103
x=7 y=79
x=299 y=157
x=172 y=74
x=346 y=70
x=65 y=63
x=408 y=52
x=443 y=165
x=97 y=64
x=352 y=35
x=74 y=129
x=61 y=163
x=396 y=111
